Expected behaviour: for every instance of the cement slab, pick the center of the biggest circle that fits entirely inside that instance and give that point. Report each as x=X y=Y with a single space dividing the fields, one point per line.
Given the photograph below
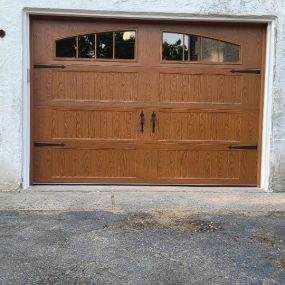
x=139 y=188
x=201 y=200
x=210 y=201
x=59 y=201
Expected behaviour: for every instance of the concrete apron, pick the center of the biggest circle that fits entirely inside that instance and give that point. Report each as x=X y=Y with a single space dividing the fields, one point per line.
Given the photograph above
x=144 y=198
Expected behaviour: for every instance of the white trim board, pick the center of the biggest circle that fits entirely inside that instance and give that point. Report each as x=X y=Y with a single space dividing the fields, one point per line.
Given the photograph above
x=268 y=78
x=26 y=102
x=147 y=15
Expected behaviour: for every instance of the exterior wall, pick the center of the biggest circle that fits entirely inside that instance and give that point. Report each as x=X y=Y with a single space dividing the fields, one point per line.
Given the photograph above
x=11 y=71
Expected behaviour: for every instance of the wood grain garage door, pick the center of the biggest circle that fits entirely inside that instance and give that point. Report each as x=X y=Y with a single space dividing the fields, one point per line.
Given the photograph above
x=145 y=102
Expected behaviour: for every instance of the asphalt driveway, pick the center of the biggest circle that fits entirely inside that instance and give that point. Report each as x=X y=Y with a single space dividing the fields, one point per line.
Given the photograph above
x=158 y=247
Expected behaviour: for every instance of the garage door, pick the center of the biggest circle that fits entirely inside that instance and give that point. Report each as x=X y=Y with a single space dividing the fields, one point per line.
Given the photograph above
x=145 y=102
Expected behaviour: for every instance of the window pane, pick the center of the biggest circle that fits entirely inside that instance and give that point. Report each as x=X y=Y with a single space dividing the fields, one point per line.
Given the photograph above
x=125 y=44
x=172 y=47
x=66 y=47
x=192 y=48
x=210 y=50
x=229 y=52
x=86 y=45
x=104 y=45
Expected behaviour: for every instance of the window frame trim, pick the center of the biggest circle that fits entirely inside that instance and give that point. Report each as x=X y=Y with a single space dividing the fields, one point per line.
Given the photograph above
x=95 y=59
x=164 y=61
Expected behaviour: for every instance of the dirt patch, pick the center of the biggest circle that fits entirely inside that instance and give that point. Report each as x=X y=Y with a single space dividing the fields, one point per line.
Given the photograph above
x=177 y=221
x=263 y=240
x=280 y=265
x=262 y=236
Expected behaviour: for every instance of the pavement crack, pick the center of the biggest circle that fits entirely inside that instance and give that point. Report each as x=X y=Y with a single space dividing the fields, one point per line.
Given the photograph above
x=113 y=200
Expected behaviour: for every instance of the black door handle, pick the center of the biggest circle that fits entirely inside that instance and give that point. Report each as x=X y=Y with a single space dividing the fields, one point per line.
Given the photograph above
x=153 y=119
x=142 y=121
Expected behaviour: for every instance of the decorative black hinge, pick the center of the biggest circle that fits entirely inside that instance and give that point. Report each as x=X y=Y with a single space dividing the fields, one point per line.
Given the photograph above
x=250 y=71
x=242 y=147
x=49 y=66
x=44 y=144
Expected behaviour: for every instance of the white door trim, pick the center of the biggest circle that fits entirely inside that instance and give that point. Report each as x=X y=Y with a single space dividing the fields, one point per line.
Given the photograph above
x=268 y=82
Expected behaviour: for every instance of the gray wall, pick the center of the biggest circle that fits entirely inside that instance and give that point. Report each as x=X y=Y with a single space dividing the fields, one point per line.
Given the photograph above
x=11 y=72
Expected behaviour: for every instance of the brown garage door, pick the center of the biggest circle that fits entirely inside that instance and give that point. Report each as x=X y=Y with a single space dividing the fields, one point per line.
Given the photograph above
x=145 y=102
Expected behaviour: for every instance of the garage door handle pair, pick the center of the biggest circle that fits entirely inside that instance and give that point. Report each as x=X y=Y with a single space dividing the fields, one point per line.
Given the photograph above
x=153 y=120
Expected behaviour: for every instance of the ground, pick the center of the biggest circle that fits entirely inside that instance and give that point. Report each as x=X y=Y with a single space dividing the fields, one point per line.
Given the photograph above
x=143 y=247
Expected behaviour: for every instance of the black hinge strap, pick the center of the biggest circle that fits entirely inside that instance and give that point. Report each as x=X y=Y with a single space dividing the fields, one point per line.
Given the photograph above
x=242 y=147
x=49 y=66
x=43 y=144
x=250 y=71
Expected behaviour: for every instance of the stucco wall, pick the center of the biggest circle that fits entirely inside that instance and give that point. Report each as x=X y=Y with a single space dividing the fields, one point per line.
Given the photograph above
x=11 y=72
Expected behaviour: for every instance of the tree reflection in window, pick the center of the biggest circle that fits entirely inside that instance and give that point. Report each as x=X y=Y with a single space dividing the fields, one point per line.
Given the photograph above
x=107 y=45
x=86 y=46
x=104 y=47
x=125 y=45
x=172 y=46
x=183 y=47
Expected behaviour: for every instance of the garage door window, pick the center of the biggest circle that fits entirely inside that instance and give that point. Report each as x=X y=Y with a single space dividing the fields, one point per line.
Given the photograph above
x=86 y=46
x=108 y=45
x=66 y=47
x=183 y=47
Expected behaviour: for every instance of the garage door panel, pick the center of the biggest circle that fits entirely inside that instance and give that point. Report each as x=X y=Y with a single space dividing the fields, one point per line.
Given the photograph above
x=159 y=165
x=209 y=88
x=222 y=165
x=82 y=85
x=86 y=124
x=201 y=88
x=94 y=163
x=74 y=164
x=208 y=125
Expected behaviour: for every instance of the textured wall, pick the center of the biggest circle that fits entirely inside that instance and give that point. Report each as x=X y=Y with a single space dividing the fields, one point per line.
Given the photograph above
x=11 y=60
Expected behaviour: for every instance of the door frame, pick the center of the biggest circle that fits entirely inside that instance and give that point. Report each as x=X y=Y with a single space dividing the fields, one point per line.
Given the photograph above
x=267 y=88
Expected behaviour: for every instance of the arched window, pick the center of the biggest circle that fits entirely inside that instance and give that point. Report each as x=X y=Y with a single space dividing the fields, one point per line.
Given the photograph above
x=183 y=47
x=106 y=45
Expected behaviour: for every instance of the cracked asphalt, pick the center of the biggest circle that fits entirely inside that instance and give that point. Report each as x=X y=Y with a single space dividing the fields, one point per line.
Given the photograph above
x=157 y=247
